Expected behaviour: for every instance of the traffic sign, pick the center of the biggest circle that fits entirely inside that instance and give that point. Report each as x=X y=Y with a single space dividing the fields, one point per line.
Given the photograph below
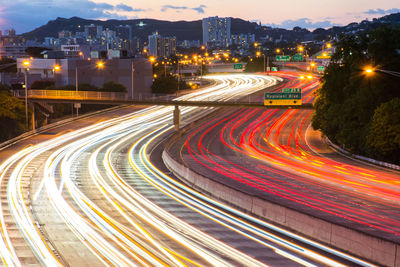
x=279 y=99
x=238 y=66
x=282 y=58
x=274 y=69
x=291 y=90
x=321 y=68
x=298 y=57
x=324 y=55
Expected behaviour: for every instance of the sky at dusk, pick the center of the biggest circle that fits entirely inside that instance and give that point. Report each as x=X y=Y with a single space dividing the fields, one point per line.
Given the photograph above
x=26 y=15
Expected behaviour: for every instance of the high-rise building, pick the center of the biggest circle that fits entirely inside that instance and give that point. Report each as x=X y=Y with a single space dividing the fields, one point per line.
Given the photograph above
x=124 y=33
x=92 y=31
x=217 y=31
x=160 y=46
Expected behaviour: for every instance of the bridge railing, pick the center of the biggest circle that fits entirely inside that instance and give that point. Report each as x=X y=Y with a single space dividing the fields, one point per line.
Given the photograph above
x=72 y=95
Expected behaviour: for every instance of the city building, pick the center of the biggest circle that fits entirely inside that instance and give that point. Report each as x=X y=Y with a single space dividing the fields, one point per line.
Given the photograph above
x=160 y=46
x=92 y=32
x=190 y=43
x=217 y=32
x=116 y=70
x=124 y=35
x=71 y=51
x=243 y=40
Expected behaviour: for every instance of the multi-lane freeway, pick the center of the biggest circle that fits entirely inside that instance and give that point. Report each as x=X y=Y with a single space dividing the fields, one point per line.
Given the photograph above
x=278 y=153
x=100 y=195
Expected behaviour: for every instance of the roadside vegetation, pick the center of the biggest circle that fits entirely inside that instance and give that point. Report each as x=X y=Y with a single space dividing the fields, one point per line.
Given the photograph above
x=357 y=110
x=12 y=114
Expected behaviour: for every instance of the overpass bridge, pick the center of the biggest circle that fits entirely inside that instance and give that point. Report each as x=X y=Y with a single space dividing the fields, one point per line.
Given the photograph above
x=113 y=98
x=46 y=97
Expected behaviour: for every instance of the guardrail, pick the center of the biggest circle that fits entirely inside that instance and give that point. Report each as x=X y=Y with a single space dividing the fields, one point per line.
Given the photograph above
x=71 y=95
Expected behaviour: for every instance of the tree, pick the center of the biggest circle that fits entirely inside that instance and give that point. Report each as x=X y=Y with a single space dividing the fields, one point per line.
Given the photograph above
x=255 y=65
x=384 y=137
x=12 y=114
x=113 y=87
x=87 y=87
x=42 y=84
x=167 y=85
x=347 y=101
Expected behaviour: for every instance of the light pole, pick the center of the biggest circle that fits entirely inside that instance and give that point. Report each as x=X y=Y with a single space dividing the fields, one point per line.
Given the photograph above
x=259 y=54
x=133 y=80
x=26 y=64
x=99 y=65
x=179 y=79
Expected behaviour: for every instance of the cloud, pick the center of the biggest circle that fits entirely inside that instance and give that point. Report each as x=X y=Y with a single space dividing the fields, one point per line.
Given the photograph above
x=25 y=15
x=199 y=9
x=122 y=7
x=380 y=11
x=303 y=23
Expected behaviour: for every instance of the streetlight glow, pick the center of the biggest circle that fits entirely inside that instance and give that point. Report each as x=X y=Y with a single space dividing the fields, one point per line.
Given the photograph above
x=26 y=63
x=57 y=68
x=100 y=64
x=278 y=50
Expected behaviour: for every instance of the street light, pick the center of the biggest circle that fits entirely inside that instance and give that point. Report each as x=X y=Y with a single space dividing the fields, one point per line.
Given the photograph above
x=278 y=50
x=99 y=64
x=312 y=64
x=258 y=54
x=56 y=68
x=370 y=70
x=26 y=64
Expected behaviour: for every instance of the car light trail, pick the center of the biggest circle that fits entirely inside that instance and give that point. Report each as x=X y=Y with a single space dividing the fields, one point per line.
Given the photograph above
x=120 y=225
x=292 y=169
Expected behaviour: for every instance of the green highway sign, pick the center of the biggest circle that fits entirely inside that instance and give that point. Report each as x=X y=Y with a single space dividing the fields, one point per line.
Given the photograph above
x=273 y=96
x=282 y=99
x=298 y=57
x=274 y=69
x=320 y=68
x=291 y=90
x=238 y=66
x=282 y=58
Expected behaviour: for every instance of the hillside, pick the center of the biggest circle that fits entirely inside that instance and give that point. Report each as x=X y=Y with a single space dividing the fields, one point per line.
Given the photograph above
x=192 y=30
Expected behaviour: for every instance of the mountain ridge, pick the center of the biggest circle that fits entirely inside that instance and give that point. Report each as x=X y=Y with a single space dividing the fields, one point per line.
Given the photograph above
x=192 y=30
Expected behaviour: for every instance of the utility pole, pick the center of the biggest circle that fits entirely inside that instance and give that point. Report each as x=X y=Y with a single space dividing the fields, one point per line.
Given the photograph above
x=133 y=80
x=179 y=79
x=76 y=89
x=26 y=98
x=264 y=62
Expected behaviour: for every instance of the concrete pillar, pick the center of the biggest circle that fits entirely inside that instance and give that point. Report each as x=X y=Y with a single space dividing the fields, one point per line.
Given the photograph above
x=33 y=117
x=177 y=118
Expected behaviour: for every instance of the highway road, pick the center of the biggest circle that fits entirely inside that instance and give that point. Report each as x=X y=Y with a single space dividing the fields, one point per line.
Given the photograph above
x=276 y=155
x=99 y=195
